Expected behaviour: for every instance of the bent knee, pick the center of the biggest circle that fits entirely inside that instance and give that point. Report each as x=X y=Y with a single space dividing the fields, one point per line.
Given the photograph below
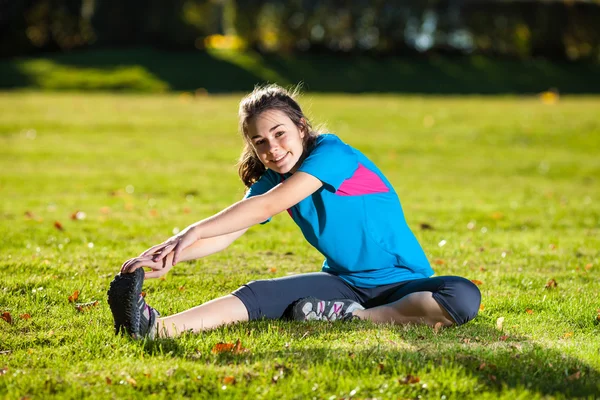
x=461 y=298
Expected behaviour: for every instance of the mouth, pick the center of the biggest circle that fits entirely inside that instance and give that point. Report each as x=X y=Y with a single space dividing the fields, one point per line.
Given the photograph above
x=280 y=158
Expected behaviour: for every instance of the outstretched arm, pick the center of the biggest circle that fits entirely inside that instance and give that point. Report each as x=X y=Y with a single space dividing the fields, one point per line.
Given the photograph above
x=241 y=215
x=201 y=248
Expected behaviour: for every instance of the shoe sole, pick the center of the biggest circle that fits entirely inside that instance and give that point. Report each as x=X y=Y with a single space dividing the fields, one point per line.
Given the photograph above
x=123 y=296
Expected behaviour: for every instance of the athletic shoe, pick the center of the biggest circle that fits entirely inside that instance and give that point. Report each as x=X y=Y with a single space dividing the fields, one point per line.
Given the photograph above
x=313 y=309
x=131 y=313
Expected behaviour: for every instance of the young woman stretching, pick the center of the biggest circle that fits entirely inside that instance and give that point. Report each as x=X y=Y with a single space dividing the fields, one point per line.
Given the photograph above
x=374 y=268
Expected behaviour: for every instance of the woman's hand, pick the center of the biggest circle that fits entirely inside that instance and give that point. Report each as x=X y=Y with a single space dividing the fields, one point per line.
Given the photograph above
x=176 y=244
x=159 y=268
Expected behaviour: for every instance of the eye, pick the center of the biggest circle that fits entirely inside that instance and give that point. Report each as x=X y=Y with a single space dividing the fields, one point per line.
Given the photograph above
x=259 y=142
x=279 y=133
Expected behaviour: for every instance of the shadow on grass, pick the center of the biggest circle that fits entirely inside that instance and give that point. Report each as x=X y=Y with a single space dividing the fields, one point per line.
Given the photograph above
x=479 y=352
x=222 y=71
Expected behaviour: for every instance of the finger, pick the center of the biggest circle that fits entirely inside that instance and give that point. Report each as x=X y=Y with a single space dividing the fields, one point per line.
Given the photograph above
x=153 y=274
x=176 y=252
x=126 y=264
x=159 y=256
x=153 y=249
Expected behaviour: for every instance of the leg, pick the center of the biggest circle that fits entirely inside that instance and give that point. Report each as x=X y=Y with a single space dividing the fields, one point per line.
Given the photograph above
x=415 y=308
x=217 y=312
x=269 y=298
x=446 y=300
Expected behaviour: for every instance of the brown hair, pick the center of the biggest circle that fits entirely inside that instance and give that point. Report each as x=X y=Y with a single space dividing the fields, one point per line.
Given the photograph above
x=270 y=97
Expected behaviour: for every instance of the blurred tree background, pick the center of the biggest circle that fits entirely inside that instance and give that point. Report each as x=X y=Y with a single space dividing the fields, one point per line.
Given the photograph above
x=525 y=33
x=553 y=29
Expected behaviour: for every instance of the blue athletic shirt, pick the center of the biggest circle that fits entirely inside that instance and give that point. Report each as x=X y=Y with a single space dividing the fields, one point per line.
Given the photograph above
x=355 y=219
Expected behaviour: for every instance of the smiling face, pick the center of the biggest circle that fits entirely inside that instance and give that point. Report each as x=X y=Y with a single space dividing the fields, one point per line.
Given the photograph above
x=278 y=142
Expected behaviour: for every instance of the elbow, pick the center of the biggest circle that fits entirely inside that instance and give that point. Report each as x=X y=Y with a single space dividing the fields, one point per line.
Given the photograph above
x=268 y=208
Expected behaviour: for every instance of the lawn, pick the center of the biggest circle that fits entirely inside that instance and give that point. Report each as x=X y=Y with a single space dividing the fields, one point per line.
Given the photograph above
x=501 y=190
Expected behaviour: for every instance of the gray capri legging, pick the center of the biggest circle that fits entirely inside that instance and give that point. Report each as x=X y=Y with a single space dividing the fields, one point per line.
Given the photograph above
x=272 y=298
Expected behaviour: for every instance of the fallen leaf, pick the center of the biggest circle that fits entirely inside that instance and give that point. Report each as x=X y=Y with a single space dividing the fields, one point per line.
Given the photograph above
x=105 y=210
x=143 y=294
x=482 y=269
x=552 y=246
x=58 y=226
x=477 y=282
x=409 y=380
x=492 y=378
x=568 y=335
x=181 y=288
x=504 y=338
x=499 y=323
x=6 y=316
x=74 y=215
x=25 y=316
x=588 y=267
x=235 y=348
x=481 y=307
x=381 y=366
x=74 y=296
x=187 y=210
x=272 y=270
x=229 y=380
x=153 y=212
x=551 y=284
x=426 y=227
x=108 y=381
x=3 y=370
x=529 y=311
x=439 y=261
x=81 y=307
x=481 y=366
x=131 y=381
x=575 y=376
x=437 y=327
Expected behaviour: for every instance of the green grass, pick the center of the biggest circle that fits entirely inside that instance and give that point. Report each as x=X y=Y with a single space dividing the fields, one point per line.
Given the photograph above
x=510 y=184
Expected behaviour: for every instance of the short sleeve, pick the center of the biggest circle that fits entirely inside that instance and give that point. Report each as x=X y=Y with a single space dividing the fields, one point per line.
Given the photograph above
x=262 y=186
x=331 y=161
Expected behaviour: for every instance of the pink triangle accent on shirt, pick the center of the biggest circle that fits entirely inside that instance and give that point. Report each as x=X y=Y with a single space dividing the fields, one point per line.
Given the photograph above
x=364 y=181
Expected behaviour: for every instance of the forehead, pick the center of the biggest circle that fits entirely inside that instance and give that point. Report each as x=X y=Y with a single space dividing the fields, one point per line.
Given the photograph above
x=263 y=122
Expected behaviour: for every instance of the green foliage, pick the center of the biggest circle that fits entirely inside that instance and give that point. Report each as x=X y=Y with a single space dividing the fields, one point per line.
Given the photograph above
x=150 y=70
x=510 y=184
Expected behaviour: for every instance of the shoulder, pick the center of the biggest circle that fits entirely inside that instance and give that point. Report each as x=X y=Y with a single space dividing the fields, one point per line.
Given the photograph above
x=330 y=143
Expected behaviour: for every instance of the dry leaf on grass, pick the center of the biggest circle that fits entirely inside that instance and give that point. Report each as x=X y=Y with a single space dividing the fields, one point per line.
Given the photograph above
x=82 y=307
x=25 y=316
x=234 y=348
x=477 y=282
x=426 y=227
x=58 y=226
x=551 y=284
x=73 y=298
x=3 y=370
x=108 y=381
x=437 y=327
x=229 y=380
x=6 y=316
x=499 y=323
x=131 y=381
x=575 y=376
x=409 y=380
x=529 y=311
x=439 y=261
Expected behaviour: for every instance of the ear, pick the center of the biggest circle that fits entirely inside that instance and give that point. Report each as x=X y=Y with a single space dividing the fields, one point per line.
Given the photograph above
x=303 y=129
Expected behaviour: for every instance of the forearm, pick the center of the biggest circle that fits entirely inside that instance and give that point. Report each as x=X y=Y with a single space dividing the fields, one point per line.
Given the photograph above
x=239 y=216
x=207 y=246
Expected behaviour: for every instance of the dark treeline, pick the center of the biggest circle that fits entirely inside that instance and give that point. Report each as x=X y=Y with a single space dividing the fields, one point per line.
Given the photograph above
x=556 y=30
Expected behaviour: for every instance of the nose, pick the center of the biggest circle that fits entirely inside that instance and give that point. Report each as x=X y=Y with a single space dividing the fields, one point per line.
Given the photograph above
x=272 y=145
